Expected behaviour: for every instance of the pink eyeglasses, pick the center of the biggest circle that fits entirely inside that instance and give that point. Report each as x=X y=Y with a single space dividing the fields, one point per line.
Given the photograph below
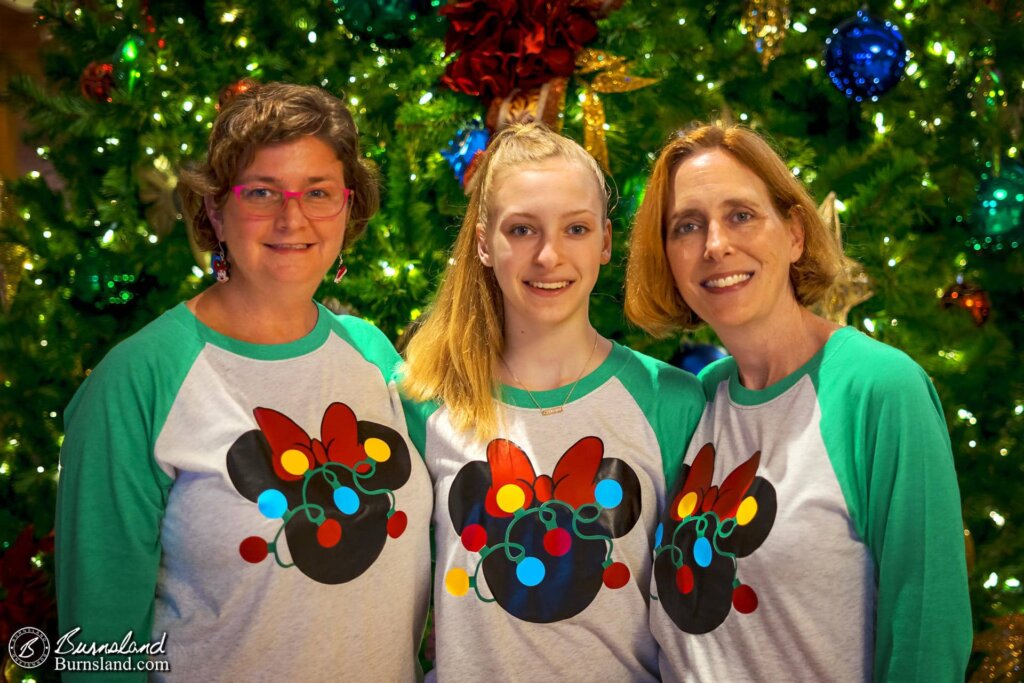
x=320 y=202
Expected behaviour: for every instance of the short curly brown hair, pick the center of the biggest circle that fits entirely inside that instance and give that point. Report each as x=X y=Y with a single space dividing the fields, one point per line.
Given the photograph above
x=268 y=114
x=652 y=299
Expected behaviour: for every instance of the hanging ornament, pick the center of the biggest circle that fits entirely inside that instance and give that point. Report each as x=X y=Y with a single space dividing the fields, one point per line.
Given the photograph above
x=695 y=357
x=544 y=104
x=851 y=286
x=13 y=258
x=1003 y=645
x=766 y=23
x=463 y=149
x=96 y=81
x=970 y=297
x=865 y=57
x=987 y=94
x=127 y=57
x=998 y=215
x=612 y=76
x=388 y=22
x=157 y=183
x=233 y=90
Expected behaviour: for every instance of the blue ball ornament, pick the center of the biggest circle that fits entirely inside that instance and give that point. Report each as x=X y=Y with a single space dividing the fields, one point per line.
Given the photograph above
x=464 y=146
x=695 y=357
x=865 y=57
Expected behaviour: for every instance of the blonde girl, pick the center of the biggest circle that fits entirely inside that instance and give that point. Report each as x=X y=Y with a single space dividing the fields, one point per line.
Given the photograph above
x=547 y=442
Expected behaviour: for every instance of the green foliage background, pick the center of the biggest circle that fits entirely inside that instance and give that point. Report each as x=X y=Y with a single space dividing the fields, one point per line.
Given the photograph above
x=906 y=168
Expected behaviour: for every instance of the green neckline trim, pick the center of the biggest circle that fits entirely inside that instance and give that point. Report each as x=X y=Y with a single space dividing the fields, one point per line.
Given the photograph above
x=300 y=347
x=551 y=398
x=752 y=397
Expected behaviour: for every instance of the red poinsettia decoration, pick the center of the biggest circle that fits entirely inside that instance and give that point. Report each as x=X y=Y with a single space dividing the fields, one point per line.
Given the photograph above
x=29 y=595
x=508 y=44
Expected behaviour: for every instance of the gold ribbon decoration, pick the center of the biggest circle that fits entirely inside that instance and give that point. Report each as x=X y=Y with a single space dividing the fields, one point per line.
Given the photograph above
x=612 y=76
x=766 y=23
x=544 y=104
x=851 y=286
x=157 y=183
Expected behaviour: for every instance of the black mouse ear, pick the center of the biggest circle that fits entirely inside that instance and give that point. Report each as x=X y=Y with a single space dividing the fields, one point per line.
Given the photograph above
x=389 y=454
x=250 y=467
x=466 y=500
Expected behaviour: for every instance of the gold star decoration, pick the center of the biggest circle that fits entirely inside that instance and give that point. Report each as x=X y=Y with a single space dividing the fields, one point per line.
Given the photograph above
x=851 y=286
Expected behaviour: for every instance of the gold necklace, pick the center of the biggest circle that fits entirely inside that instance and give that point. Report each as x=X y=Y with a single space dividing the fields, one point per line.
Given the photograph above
x=557 y=409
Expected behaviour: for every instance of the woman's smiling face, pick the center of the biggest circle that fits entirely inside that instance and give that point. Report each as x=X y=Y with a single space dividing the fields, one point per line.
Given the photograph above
x=288 y=249
x=729 y=249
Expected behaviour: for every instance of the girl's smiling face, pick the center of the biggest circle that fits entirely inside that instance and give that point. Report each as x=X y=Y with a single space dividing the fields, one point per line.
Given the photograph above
x=546 y=238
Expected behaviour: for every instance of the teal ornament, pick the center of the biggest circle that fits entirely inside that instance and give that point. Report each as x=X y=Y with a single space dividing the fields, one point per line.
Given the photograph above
x=865 y=57
x=998 y=216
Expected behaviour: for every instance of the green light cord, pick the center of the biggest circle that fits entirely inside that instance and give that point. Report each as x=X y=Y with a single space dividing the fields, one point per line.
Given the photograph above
x=476 y=584
x=701 y=523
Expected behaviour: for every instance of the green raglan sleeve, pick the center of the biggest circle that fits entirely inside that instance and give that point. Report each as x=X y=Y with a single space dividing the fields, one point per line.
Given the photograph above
x=416 y=415
x=906 y=505
x=673 y=402
x=110 y=504
x=377 y=349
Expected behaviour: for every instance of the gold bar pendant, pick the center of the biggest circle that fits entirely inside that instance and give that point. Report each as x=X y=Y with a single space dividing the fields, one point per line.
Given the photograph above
x=551 y=411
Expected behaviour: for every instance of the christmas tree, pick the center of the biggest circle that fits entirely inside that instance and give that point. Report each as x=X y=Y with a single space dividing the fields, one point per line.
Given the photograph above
x=910 y=112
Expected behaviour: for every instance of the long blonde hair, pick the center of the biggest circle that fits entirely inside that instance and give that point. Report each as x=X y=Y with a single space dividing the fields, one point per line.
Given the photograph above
x=454 y=354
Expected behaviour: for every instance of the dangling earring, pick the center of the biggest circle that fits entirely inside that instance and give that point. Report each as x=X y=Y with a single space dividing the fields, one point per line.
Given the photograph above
x=340 y=273
x=219 y=264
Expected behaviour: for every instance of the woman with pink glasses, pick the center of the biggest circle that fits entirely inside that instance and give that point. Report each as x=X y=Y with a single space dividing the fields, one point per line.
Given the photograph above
x=239 y=475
